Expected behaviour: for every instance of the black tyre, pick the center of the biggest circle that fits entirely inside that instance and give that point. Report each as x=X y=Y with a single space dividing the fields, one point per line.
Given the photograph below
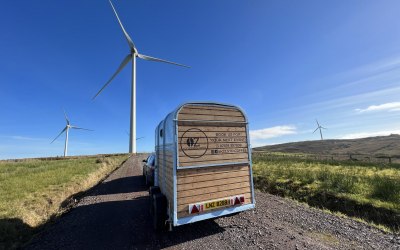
x=151 y=206
x=159 y=211
x=152 y=190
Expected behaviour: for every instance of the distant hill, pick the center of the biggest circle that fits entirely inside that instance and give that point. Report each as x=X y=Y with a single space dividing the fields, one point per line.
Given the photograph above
x=380 y=145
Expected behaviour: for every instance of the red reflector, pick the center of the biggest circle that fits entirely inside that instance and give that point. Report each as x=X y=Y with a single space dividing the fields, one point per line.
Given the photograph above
x=237 y=201
x=241 y=199
x=194 y=209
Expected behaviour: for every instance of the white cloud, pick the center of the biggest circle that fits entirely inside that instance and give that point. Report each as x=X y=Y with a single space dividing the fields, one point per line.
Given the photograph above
x=376 y=82
x=369 y=134
x=277 y=131
x=390 y=106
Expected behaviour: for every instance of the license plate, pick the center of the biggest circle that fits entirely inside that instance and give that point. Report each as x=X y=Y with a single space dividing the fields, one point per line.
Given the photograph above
x=217 y=204
x=214 y=204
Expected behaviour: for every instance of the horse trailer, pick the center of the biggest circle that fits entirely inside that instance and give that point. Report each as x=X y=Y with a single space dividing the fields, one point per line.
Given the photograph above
x=203 y=166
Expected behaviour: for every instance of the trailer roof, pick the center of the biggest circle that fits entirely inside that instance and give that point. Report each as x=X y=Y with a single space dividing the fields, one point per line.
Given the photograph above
x=173 y=115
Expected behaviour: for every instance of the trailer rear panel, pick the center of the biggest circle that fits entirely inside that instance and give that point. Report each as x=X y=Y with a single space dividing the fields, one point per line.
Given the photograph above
x=213 y=156
x=205 y=169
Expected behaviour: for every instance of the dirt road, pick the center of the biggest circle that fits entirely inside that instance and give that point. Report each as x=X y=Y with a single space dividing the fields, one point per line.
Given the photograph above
x=114 y=215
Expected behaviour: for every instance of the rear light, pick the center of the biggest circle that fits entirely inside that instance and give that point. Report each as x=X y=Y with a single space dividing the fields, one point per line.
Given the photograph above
x=237 y=200
x=194 y=209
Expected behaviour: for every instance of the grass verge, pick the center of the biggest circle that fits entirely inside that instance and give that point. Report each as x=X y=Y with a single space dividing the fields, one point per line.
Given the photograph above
x=35 y=190
x=365 y=190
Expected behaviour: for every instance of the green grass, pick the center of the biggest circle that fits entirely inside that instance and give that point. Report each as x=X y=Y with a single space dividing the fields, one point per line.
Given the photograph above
x=367 y=190
x=32 y=191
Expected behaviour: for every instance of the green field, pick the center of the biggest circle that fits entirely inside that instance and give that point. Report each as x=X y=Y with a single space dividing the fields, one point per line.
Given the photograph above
x=364 y=190
x=32 y=191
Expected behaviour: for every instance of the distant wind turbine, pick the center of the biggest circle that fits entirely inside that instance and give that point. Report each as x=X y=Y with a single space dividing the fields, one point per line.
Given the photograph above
x=320 y=129
x=132 y=56
x=66 y=130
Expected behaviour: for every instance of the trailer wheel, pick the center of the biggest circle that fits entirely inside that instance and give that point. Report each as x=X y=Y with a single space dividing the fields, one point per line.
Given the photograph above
x=151 y=207
x=159 y=211
x=152 y=190
x=147 y=181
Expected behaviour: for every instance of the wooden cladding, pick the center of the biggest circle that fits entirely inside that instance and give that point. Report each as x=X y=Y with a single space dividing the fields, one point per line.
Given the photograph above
x=203 y=184
x=165 y=174
x=182 y=210
x=218 y=137
x=195 y=172
x=207 y=159
x=233 y=128
x=210 y=113
x=214 y=159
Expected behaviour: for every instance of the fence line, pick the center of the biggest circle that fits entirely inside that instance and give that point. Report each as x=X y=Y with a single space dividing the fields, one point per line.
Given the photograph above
x=387 y=159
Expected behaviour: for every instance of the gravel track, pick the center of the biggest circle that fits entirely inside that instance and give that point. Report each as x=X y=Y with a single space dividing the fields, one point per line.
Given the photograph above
x=114 y=215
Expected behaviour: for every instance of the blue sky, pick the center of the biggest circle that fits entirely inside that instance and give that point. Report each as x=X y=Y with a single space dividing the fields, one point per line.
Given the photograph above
x=286 y=63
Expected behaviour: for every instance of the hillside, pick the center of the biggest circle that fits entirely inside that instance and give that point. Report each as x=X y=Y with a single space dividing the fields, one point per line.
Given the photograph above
x=380 y=145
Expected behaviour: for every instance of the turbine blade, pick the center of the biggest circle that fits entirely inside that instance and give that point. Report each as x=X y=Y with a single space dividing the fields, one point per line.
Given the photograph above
x=149 y=58
x=317 y=122
x=59 y=135
x=315 y=130
x=323 y=127
x=75 y=127
x=139 y=138
x=66 y=117
x=124 y=62
x=128 y=38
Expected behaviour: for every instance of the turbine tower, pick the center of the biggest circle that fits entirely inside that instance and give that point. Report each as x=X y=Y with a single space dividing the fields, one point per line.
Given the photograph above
x=66 y=130
x=320 y=129
x=132 y=57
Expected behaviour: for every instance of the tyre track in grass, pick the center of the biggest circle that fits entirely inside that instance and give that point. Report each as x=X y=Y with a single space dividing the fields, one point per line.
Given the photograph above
x=114 y=215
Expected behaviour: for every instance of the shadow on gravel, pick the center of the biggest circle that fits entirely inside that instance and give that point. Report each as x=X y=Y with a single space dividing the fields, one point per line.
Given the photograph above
x=121 y=185
x=187 y=233
x=12 y=229
x=117 y=225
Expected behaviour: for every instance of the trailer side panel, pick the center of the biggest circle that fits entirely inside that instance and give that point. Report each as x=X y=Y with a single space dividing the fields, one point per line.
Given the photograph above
x=165 y=151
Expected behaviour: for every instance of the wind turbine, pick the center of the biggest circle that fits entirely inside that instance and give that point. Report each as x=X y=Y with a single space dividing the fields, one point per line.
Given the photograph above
x=320 y=129
x=66 y=130
x=132 y=57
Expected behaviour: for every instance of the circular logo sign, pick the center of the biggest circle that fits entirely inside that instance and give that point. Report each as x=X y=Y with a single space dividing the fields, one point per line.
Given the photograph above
x=194 y=143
